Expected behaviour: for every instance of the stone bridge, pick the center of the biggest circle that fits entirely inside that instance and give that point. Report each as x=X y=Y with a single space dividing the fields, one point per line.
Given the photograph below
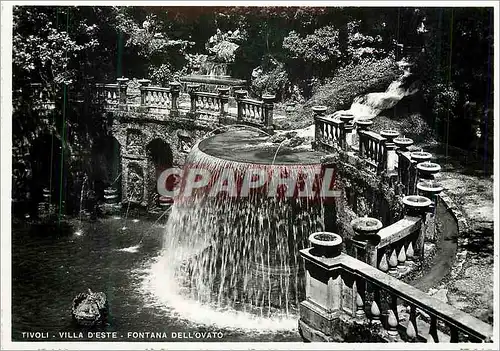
x=148 y=128
x=155 y=127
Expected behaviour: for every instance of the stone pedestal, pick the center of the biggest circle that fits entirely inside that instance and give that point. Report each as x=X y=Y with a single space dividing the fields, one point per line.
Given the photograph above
x=240 y=95
x=175 y=91
x=365 y=240
x=392 y=157
x=418 y=206
x=348 y=120
x=122 y=88
x=268 y=110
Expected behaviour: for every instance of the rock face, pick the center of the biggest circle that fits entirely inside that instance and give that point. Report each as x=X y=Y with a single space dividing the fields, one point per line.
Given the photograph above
x=90 y=308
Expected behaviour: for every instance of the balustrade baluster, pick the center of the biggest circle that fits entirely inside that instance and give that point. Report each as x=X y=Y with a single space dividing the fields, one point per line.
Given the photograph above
x=383 y=263
x=358 y=289
x=393 y=263
x=392 y=326
x=411 y=328
x=453 y=334
x=433 y=331
x=402 y=256
x=375 y=307
x=410 y=253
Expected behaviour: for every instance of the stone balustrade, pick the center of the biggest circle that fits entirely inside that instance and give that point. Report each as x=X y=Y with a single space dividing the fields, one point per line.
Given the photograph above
x=373 y=150
x=108 y=94
x=205 y=107
x=348 y=300
x=208 y=107
x=158 y=99
x=393 y=249
x=329 y=132
x=254 y=112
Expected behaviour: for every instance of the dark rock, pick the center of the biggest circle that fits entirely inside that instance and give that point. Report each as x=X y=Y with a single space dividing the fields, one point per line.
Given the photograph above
x=277 y=138
x=90 y=308
x=296 y=141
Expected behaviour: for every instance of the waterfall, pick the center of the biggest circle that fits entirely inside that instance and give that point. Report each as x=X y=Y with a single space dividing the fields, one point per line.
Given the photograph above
x=370 y=105
x=242 y=252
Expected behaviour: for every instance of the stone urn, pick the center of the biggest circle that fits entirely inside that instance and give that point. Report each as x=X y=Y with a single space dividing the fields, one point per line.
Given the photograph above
x=428 y=169
x=364 y=124
x=366 y=228
x=319 y=110
x=429 y=188
x=325 y=244
x=420 y=156
x=416 y=204
x=403 y=143
x=389 y=134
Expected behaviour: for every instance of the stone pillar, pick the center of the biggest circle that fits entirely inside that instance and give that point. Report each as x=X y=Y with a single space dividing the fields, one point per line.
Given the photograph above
x=122 y=90
x=143 y=83
x=418 y=206
x=392 y=157
x=430 y=189
x=362 y=125
x=268 y=110
x=240 y=95
x=323 y=302
x=366 y=239
x=348 y=120
x=224 y=99
x=175 y=90
x=192 y=89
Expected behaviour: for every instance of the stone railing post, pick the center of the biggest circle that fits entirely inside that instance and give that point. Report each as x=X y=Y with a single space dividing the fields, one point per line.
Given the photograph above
x=362 y=125
x=192 y=90
x=175 y=90
x=268 y=109
x=348 y=128
x=224 y=99
x=143 y=83
x=122 y=90
x=318 y=111
x=430 y=189
x=365 y=229
x=323 y=288
x=240 y=95
x=418 y=206
x=392 y=157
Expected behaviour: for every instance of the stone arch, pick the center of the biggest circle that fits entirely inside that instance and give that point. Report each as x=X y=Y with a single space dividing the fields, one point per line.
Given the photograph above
x=159 y=157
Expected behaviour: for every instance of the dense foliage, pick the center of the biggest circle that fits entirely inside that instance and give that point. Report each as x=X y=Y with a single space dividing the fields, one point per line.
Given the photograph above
x=289 y=51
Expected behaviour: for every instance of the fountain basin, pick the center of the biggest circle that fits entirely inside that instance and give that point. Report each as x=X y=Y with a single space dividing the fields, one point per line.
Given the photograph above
x=366 y=226
x=364 y=124
x=420 y=156
x=319 y=110
x=416 y=202
x=428 y=168
x=346 y=117
x=403 y=143
x=251 y=146
x=430 y=186
x=325 y=244
x=215 y=80
x=389 y=134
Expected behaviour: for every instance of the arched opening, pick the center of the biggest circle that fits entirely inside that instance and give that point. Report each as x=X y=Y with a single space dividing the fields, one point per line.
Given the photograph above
x=106 y=166
x=160 y=157
x=48 y=164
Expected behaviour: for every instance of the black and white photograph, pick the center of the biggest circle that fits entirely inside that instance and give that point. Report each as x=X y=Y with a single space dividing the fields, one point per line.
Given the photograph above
x=249 y=175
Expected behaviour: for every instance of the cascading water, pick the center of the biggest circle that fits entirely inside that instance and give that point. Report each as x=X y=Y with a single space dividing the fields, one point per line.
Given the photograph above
x=371 y=104
x=239 y=255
